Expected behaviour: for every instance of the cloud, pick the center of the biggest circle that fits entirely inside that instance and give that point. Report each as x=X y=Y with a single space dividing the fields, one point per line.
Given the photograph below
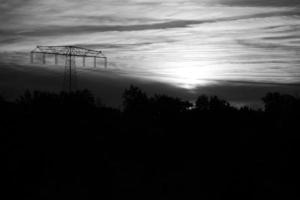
x=8 y=5
x=56 y=30
x=231 y=39
x=270 y=45
x=258 y=3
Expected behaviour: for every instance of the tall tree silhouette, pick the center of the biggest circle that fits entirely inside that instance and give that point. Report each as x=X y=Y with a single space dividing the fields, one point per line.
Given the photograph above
x=134 y=100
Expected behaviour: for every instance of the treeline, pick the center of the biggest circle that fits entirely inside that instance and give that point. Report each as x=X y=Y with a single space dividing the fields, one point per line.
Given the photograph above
x=71 y=146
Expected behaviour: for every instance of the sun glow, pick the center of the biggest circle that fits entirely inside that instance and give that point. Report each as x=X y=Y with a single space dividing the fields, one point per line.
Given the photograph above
x=180 y=42
x=188 y=75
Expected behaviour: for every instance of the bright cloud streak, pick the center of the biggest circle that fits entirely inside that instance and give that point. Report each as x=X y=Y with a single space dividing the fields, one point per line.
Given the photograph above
x=186 y=43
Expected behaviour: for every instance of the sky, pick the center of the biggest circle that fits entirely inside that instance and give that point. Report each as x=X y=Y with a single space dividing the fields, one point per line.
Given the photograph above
x=188 y=44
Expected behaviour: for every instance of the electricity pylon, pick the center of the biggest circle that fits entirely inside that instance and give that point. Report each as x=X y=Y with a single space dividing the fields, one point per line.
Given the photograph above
x=70 y=53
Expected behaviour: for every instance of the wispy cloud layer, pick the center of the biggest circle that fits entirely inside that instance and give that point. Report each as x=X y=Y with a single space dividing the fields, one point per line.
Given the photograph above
x=256 y=3
x=184 y=42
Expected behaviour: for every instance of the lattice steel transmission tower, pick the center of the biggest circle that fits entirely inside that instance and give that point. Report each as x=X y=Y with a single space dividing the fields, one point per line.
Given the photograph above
x=70 y=53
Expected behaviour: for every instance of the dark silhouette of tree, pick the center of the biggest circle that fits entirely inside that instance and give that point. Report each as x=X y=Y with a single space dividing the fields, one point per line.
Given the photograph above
x=277 y=103
x=66 y=145
x=218 y=104
x=43 y=98
x=169 y=105
x=204 y=103
x=134 y=100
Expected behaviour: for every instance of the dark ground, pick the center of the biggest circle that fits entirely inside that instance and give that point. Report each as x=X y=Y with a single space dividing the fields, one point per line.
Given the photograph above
x=67 y=146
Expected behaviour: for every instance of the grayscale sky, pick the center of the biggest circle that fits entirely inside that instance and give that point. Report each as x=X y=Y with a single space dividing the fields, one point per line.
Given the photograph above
x=188 y=44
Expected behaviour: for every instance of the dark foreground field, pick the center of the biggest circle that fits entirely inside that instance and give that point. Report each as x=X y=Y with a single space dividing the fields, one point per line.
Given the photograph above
x=69 y=146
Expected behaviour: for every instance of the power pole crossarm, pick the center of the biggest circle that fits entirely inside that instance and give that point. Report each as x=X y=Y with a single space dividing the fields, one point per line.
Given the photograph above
x=70 y=53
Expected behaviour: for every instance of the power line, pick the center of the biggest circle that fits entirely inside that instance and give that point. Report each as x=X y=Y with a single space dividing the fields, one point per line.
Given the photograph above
x=70 y=53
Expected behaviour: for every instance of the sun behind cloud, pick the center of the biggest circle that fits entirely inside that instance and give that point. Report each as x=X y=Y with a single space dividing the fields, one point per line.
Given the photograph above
x=185 y=43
